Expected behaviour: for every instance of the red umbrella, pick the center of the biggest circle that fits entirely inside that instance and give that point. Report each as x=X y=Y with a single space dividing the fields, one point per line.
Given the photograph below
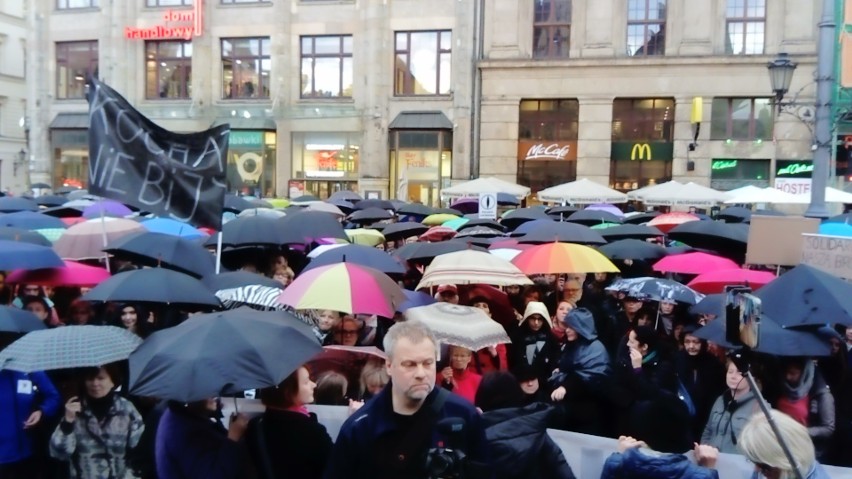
x=693 y=263
x=438 y=233
x=346 y=360
x=501 y=308
x=715 y=281
x=73 y=221
x=669 y=220
x=73 y=274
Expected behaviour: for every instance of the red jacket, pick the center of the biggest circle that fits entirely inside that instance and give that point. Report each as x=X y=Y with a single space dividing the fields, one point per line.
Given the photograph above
x=465 y=384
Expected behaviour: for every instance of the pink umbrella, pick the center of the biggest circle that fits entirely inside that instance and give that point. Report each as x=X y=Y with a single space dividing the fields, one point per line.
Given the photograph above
x=73 y=274
x=668 y=221
x=693 y=263
x=715 y=281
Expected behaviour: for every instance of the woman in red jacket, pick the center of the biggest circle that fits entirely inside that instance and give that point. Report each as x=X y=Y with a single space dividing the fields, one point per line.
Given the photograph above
x=457 y=377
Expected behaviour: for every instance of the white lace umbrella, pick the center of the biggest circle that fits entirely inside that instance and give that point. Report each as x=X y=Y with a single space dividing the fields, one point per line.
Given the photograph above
x=471 y=267
x=461 y=326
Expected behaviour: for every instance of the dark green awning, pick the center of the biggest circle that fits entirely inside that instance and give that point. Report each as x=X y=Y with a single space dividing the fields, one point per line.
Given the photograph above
x=421 y=120
x=70 y=121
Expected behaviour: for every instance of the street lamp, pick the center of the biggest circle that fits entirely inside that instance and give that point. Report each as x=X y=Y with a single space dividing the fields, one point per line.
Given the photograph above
x=20 y=160
x=781 y=75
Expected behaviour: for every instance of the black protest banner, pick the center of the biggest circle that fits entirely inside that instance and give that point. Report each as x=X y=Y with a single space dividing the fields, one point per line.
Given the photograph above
x=134 y=161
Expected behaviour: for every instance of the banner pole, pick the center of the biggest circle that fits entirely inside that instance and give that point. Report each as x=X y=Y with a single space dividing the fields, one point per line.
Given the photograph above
x=104 y=236
x=219 y=253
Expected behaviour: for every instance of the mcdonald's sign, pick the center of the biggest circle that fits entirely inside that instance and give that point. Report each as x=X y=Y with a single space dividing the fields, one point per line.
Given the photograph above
x=641 y=151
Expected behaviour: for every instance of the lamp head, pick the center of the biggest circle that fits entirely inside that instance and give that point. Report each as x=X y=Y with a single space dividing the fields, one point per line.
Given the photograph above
x=781 y=75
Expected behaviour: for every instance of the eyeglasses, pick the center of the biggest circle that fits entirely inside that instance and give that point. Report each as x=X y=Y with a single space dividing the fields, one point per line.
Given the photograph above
x=348 y=332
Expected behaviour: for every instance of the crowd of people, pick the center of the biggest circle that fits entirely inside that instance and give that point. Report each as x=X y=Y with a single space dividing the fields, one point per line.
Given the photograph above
x=582 y=358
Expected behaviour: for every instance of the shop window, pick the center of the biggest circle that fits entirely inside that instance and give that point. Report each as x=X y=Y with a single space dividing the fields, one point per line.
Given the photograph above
x=324 y=163
x=741 y=119
x=234 y=2
x=327 y=66
x=745 y=27
x=251 y=162
x=72 y=4
x=547 y=142
x=423 y=63
x=552 y=29
x=421 y=163
x=646 y=27
x=74 y=62
x=645 y=119
x=245 y=67
x=732 y=173
x=168 y=3
x=168 y=70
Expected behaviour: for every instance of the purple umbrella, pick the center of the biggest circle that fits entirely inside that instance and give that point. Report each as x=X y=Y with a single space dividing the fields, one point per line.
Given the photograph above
x=467 y=205
x=606 y=207
x=414 y=299
x=106 y=208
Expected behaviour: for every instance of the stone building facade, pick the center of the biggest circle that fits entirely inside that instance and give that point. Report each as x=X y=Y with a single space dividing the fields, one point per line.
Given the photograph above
x=13 y=148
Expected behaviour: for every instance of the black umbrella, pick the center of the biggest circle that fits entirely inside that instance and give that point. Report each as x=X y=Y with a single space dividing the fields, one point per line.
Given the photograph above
x=505 y=199
x=807 y=296
x=16 y=320
x=517 y=217
x=427 y=251
x=311 y=226
x=658 y=289
x=63 y=211
x=235 y=204
x=21 y=255
x=252 y=231
x=593 y=217
x=259 y=203
x=153 y=285
x=31 y=221
x=64 y=190
x=20 y=234
x=711 y=304
x=407 y=229
x=237 y=279
x=40 y=186
x=219 y=354
x=564 y=232
x=373 y=203
x=482 y=222
x=345 y=195
x=415 y=209
x=358 y=254
x=772 y=339
x=51 y=200
x=344 y=206
x=641 y=217
x=12 y=204
x=479 y=232
x=159 y=249
x=446 y=211
x=304 y=199
x=626 y=231
x=735 y=214
x=729 y=240
x=633 y=249
x=368 y=215
x=562 y=211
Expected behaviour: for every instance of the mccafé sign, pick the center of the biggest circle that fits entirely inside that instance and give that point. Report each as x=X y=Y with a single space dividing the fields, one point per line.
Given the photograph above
x=547 y=150
x=177 y=24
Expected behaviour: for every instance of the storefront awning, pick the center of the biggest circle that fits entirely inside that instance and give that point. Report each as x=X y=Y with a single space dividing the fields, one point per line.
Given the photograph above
x=421 y=120
x=239 y=123
x=70 y=121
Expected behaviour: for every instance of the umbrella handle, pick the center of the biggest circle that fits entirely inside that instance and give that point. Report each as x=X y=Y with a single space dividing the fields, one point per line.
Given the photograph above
x=236 y=408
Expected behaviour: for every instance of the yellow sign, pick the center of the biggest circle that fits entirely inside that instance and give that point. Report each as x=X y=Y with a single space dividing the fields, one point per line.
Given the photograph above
x=641 y=151
x=697 y=110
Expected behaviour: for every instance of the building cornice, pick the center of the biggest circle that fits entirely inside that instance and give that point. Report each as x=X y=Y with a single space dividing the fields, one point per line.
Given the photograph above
x=21 y=21
x=633 y=62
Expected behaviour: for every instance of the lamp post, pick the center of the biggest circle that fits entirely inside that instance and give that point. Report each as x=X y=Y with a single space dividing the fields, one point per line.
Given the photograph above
x=20 y=160
x=781 y=74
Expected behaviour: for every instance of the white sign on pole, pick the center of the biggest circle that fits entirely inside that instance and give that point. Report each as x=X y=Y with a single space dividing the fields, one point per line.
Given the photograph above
x=832 y=254
x=488 y=206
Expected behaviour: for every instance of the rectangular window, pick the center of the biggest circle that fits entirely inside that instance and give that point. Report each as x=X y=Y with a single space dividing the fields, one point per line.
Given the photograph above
x=643 y=119
x=547 y=142
x=232 y=2
x=72 y=4
x=744 y=28
x=741 y=119
x=245 y=67
x=168 y=70
x=731 y=173
x=327 y=66
x=646 y=27
x=167 y=3
x=423 y=63
x=74 y=62
x=552 y=29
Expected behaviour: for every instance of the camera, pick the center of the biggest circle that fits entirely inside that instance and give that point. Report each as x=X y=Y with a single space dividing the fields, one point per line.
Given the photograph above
x=447 y=462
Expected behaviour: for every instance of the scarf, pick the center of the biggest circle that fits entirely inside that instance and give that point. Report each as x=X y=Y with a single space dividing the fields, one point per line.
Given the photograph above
x=801 y=390
x=299 y=409
x=100 y=406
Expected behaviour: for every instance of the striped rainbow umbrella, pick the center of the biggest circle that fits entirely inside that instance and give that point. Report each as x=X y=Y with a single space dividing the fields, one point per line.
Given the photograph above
x=556 y=258
x=345 y=287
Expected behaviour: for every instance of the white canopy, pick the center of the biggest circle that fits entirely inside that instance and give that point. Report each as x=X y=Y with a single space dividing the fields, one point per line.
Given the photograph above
x=582 y=191
x=768 y=195
x=662 y=188
x=750 y=189
x=690 y=194
x=485 y=185
x=833 y=195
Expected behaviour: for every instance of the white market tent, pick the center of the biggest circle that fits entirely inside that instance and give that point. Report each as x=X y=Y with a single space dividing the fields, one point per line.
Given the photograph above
x=659 y=189
x=767 y=195
x=748 y=189
x=582 y=191
x=833 y=195
x=485 y=185
x=690 y=194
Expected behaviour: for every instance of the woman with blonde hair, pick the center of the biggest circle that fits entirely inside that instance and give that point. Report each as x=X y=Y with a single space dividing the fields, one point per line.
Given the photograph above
x=760 y=445
x=374 y=377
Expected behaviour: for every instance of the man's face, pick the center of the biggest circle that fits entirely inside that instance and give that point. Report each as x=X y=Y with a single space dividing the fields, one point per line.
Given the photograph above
x=411 y=367
x=692 y=345
x=666 y=308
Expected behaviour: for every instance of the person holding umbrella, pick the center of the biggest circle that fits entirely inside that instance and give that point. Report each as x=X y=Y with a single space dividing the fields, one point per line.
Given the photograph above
x=730 y=412
x=99 y=428
x=456 y=377
x=492 y=358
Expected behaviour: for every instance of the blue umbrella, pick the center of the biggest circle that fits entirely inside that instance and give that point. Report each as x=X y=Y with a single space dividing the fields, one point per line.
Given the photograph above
x=505 y=199
x=11 y=204
x=27 y=236
x=16 y=320
x=153 y=285
x=772 y=339
x=159 y=249
x=172 y=227
x=414 y=299
x=358 y=254
x=807 y=296
x=836 y=229
x=657 y=289
x=531 y=226
x=20 y=255
x=30 y=221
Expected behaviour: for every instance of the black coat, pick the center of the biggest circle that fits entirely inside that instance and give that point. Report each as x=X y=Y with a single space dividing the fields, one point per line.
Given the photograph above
x=544 y=361
x=703 y=376
x=519 y=447
x=296 y=445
